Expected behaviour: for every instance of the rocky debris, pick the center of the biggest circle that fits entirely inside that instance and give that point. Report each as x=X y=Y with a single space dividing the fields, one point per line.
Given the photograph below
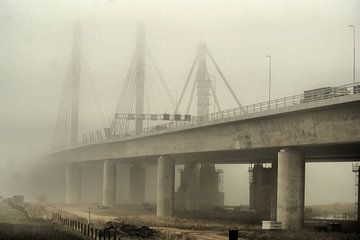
x=129 y=230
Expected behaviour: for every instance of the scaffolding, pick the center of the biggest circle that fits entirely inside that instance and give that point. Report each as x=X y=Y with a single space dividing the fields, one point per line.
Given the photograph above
x=220 y=174
x=356 y=170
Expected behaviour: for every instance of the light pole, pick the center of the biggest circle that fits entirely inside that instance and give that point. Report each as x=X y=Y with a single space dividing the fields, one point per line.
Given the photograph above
x=269 y=56
x=353 y=27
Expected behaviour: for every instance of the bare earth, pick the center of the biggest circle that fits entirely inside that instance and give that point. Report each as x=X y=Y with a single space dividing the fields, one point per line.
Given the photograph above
x=191 y=229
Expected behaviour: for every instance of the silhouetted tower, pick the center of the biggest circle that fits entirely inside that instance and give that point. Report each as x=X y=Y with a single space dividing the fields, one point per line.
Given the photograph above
x=200 y=180
x=138 y=93
x=75 y=83
x=203 y=84
x=140 y=77
x=142 y=74
x=78 y=74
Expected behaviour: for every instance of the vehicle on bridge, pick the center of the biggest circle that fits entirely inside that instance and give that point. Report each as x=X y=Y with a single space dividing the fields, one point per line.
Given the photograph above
x=324 y=93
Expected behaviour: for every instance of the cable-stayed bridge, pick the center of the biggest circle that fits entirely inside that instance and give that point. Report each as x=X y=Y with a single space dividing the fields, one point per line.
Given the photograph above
x=316 y=125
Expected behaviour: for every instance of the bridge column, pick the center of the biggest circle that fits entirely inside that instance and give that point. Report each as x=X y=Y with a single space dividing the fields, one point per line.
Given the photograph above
x=73 y=183
x=186 y=196
x=192 y=177
x=291 y=186
x=165 y=187
x=109 y=183
x=209 y=192
x=261 y=190
x=273 y=198
x=137 y=184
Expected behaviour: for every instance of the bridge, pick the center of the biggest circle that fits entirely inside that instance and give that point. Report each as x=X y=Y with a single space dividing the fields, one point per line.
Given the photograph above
x=318 y=125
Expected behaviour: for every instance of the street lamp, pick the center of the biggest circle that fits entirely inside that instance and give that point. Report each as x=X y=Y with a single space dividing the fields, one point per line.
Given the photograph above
x=269 y=56
x=353 y=27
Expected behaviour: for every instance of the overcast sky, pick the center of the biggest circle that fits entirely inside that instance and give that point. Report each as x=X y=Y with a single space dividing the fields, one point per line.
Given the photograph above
x=310 y=43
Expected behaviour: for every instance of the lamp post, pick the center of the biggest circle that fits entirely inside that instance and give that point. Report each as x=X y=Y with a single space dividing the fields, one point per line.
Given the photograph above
x=269 y=57
x=353 y=27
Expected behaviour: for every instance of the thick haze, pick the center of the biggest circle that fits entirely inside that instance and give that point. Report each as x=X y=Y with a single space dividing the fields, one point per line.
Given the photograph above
x=310 y=43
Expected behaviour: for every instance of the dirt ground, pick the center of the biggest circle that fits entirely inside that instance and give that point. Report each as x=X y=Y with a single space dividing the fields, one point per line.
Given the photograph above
x=196 y=228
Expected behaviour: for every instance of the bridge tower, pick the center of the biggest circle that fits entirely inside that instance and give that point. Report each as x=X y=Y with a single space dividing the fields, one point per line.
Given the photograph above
x=140 y=77
x=137 y=172
x=203 y=84
x=137 y=94
x=200 y=180
x=73 y=170
x=75 y=86
x=208 y=178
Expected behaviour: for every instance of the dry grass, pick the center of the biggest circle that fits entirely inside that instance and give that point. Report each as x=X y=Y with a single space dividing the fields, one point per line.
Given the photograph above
x=35 y=232
x=11 y=215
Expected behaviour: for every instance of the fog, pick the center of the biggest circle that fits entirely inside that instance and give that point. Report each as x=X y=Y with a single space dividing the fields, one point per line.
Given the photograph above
x=309 y=41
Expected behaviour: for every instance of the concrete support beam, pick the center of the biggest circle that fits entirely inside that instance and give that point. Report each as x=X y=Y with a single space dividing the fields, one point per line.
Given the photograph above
x=137 y=184
x=165 y=187
x=73 y=183
x=209 y=191
x=291 y=186
x=192 y=186
x=273 y=198
x=109 y=183
x=261 y=185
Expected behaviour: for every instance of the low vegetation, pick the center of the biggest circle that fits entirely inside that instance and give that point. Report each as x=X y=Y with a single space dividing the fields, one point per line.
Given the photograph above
x=10 y=231
x=16 y=225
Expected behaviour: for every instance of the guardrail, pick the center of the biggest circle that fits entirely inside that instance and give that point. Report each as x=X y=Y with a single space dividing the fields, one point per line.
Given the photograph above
x=308 y=96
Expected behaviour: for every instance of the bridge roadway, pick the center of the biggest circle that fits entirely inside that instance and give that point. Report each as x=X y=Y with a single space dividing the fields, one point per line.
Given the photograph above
x=323 y=130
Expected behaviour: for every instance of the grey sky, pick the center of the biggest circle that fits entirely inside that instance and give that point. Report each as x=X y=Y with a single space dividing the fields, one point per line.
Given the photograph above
x=310 y=42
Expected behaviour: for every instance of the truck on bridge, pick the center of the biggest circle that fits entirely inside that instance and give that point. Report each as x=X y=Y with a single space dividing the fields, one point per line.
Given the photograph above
x=324 y=93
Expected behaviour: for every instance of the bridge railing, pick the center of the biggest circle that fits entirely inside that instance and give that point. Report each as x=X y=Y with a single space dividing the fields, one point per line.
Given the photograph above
x=309 y=96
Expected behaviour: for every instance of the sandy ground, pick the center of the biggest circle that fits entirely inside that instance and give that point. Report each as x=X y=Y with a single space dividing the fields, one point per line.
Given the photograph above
x=177 y=228
x=187 y=231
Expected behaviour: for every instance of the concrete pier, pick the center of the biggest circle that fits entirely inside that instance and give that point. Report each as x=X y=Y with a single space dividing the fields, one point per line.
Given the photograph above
x=109 y=183
x=209 y=192
x=191 y=179
x=273 y=198
x=186 y=196
x=137 y=184
x=73 y=183
x=260 y=190
x=165 y=187
x=291 y=186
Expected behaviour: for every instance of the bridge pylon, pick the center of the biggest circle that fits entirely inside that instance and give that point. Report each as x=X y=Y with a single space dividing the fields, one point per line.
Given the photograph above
x=200 y=183
x=67 y=125
x=139 y=92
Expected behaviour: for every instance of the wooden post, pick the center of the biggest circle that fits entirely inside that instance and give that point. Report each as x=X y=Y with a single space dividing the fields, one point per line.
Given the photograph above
x=233 y=234
x=358 y=200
